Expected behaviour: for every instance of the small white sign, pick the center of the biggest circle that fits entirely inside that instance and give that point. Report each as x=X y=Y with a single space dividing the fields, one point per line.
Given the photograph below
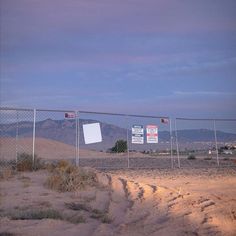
x=152 y=133
x=92 y=133
x=137 y=134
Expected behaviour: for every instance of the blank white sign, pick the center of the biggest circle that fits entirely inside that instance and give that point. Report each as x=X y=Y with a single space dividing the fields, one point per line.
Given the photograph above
x=92 y=133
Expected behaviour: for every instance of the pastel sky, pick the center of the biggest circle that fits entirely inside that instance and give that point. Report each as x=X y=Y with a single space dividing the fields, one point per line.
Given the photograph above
x=159 y=57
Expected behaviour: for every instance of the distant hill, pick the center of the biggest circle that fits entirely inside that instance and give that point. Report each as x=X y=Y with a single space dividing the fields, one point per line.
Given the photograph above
x=204 y=135
x=65 y=131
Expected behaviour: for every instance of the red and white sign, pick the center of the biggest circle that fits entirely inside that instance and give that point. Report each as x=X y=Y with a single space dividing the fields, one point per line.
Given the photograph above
x=69 y=115
x=152 y=133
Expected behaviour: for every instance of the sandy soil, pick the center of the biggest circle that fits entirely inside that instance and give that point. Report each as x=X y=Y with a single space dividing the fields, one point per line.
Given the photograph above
x=44 y=148
x=50 y=150
x=150 y=202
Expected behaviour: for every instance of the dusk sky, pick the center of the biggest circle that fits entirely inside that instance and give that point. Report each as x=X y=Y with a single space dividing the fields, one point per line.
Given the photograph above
x=159 y=57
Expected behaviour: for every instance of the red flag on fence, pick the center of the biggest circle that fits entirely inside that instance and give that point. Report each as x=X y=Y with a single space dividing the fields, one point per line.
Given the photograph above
x=69 y=115
x=164 y=120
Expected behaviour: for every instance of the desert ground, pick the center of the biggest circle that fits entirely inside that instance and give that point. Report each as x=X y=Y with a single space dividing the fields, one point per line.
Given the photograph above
x=123 y=202
x=51 y=150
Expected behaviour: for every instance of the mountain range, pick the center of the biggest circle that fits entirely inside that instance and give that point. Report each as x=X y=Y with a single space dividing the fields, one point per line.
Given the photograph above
x=65 y=131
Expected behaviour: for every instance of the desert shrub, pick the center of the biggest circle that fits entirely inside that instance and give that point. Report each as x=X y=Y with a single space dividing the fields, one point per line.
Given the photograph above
x=105 y=219
x=94 y=213
x=36 y=214
x=62 y=164
x=120 y=146
x=191 y=157
x=39 y=214
x=78 y=206
x=66 y=177
x=25 y=162
x=101 y=215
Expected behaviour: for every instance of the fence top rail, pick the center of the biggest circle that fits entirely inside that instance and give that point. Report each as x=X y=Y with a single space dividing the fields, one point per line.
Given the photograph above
x=122 y=114
x=32 y=109
x=51 y=110
x=203 y=119
x=16 y=109
x=88 y=112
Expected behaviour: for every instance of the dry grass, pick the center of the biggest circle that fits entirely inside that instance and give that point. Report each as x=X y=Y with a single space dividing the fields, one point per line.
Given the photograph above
x=94 y=213
x=66 y=177
x=33 y=214
x=101 y=215
x=78 y=206
x=39 y=214
x=6 y=173
x=25 y=162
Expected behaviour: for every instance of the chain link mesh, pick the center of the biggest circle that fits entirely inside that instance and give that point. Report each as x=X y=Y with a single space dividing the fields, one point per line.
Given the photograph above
x=16 y=137
x=205 y=143
x=122 y=140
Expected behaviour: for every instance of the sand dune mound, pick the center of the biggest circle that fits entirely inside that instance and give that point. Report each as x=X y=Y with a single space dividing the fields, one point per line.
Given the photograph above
x=44 y=148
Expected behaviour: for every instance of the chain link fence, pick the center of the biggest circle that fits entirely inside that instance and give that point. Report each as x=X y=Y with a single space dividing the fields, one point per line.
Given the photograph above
x=55 y=135
x=205 y=142
x=107 y=140
x=125 y=142
x=16 y=136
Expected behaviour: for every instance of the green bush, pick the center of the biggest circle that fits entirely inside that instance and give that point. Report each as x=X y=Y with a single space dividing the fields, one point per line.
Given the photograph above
x=120 y=146
x=191 y=157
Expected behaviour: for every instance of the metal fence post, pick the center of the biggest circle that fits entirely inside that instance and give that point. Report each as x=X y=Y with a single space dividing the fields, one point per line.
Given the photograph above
x=217 y=155
x=77 y=137
x=76 y=141
x=33 y=152
x=177 y=143
x=171 y=145
x=127 y=138
x=17 y=135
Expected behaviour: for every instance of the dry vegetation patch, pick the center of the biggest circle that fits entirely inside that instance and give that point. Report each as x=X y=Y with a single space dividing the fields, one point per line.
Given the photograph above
x=66 y=177
x=6 y=173
x=39 y=214
x=94 y=213
x=26 y=162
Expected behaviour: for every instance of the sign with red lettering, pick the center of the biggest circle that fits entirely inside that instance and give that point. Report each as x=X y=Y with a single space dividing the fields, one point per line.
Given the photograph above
x=152 y=133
